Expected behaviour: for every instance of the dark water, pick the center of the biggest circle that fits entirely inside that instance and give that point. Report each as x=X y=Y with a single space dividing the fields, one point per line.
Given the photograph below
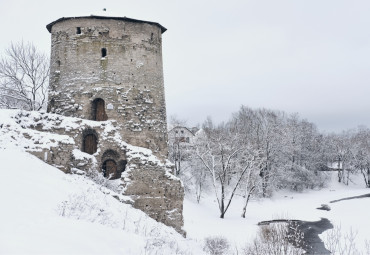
x=312 y=243
x=349 y=198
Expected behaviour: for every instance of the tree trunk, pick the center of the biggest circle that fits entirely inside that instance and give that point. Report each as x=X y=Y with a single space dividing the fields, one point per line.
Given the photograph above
x=245 y=205
x=199 y=191
x=246 y=202
x=222 y=207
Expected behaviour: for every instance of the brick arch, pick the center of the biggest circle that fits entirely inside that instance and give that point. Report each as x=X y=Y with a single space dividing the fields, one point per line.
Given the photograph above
x=89 y=141
x=98 y=110
x=110 y=154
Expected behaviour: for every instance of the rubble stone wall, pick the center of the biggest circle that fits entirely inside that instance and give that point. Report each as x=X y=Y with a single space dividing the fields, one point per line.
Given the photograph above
x=129 y=78
x=147 y=179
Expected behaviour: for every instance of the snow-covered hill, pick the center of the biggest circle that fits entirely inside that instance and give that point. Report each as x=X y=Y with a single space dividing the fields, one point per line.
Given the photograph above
x=44 y=211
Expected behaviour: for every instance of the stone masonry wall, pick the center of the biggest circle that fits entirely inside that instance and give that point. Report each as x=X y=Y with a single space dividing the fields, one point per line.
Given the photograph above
x=147 y=180
x=129 y=78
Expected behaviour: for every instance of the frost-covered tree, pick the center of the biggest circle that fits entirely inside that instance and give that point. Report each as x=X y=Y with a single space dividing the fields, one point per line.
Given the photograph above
x=222 y=151
x=361 y=153
x=292 y=150
x=340 y=147
x=304 y=153
x=257 y=152
x=262 y=129
x=24 y=73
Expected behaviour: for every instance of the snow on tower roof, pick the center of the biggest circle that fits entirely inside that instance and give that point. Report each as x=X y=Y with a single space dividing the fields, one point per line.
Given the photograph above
x=49 y=26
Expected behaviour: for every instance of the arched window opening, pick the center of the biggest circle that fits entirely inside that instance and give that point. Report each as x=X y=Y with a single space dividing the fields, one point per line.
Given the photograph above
x=110 y=169
x=103 y=52
x=98 y=110
x=78 y=30
x=89 y=141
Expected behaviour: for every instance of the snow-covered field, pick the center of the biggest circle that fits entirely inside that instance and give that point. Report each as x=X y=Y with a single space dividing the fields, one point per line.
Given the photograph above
x=44 y=211
x=202 y=220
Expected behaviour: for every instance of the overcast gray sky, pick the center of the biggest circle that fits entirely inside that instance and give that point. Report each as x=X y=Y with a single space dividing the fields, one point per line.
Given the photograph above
x=310 y=57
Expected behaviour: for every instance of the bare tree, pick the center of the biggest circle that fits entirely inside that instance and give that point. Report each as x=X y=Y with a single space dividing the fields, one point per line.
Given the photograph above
x=227 y=158
x=263 y=130
x=341 y=150
x=250 y=184
x=361 y=153
x=24 y=73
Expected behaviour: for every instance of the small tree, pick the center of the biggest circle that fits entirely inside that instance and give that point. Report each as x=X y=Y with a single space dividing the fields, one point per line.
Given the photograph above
x=24 y=73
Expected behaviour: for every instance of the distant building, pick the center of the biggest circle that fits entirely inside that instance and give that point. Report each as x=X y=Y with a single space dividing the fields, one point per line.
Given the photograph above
x=180 y=142
x=181 y=135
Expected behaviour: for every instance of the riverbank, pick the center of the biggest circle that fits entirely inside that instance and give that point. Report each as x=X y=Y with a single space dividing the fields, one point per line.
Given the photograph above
x=202 y=220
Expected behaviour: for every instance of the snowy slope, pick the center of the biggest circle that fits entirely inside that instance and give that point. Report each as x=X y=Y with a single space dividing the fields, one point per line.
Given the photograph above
x=44 y=211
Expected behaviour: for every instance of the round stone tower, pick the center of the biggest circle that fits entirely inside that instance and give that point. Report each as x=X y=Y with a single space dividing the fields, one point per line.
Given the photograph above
x=106 y=68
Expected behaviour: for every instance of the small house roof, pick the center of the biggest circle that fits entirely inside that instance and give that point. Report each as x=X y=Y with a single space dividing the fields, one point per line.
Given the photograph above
x=49 y=26
x=179 y=127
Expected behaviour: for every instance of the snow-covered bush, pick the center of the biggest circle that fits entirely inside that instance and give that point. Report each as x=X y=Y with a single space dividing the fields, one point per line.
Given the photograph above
x=299 y=178
x=216 y=245
x=91 y=203
x=339 y=243
x=87 y=205
x=99 y=179
x=276 y=239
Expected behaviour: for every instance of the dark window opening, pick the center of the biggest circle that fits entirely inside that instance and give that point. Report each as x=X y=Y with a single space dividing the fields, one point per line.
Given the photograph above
x=78 y=30
x=58 y=63
x=98 y=110
x=109 y=169
x=103 y=52
x=90 y=144
x=151 y=37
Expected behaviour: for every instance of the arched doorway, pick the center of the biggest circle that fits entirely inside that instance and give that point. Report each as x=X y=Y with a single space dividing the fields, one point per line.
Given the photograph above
x=90 y=143
x=98 y=110
x=110 y=169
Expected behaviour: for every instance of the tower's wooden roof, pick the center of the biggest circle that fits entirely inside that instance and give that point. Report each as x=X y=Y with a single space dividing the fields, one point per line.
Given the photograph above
x=49 y=26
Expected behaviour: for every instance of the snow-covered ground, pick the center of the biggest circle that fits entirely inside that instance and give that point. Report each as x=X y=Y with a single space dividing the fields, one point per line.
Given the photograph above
x=202 y=220
x=44 y=211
